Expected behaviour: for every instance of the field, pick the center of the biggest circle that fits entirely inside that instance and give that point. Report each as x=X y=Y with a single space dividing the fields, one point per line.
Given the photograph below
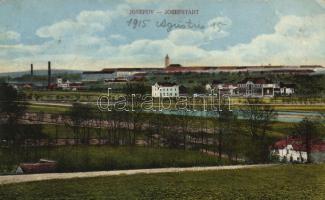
x=286 y=107
x=94 y=158
x=315 y=104
x=279 y=182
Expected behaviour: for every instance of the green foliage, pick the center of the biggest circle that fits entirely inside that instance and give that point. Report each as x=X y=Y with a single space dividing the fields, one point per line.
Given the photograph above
x=309 y=131
x=258 y=125
x=12 y=106
x=95 y=158
x=310 y=85
x=10 y=100
x=136 y=88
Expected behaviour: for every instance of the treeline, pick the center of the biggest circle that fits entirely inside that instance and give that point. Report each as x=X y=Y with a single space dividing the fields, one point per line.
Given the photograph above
x=223 y=134
x=306 y=85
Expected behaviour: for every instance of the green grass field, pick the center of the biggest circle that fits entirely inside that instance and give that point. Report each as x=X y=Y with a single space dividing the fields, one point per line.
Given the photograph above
x=47 y=109
x=94 y=158
x=71 y=96
x=279 y=182
x=62 y=109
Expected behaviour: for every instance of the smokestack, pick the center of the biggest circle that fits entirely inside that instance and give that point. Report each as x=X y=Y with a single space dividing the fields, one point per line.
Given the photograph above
x=31 y=72
x=49 y=75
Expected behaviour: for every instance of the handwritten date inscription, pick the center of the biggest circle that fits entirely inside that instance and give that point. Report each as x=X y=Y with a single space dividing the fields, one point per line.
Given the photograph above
x=136 y=23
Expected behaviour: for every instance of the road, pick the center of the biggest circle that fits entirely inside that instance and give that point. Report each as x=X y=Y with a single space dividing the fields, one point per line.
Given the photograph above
x=8 y=179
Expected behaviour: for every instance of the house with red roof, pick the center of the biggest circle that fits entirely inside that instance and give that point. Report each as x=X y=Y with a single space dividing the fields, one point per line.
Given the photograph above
x=293 y=149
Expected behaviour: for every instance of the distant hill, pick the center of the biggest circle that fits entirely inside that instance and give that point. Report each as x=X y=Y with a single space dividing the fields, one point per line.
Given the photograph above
x=40 y=73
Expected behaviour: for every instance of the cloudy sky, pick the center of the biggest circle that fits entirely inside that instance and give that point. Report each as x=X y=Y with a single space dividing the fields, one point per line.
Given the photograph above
x=94 y=34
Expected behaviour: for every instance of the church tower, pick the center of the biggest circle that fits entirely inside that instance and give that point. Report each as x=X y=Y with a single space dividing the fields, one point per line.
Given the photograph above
x=167 y=61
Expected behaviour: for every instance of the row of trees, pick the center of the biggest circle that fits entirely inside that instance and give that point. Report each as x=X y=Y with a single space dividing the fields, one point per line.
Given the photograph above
x=223 y=134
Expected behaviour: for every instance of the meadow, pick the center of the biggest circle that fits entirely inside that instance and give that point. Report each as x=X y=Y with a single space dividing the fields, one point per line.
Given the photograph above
x=96 y=158
x=277 y=182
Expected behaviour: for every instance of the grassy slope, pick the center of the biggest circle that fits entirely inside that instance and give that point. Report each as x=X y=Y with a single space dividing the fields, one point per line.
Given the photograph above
x=281 y=182
x=94 y=158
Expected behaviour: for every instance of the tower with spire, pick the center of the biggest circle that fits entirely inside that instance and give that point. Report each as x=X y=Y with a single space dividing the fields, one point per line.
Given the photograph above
x=167 y=61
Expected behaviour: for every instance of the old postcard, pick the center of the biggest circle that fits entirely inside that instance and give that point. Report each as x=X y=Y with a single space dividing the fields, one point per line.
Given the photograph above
x=162 y=99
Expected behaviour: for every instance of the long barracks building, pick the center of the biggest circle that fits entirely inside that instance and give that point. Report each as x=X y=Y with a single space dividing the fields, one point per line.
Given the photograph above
x=128 y=73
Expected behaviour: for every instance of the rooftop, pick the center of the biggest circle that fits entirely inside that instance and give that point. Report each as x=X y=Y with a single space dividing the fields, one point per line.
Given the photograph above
x=166 y=84
x=298 y=144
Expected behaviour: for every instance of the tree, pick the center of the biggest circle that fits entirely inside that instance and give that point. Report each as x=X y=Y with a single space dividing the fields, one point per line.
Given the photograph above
x=81 y=115
x=199 y=89
x=309 y=131
x=136 y=88
x=258 y=122
x=55 y=118
x=227 y=133
x=12 y=107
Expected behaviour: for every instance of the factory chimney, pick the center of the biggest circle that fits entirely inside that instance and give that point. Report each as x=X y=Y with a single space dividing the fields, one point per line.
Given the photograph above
x=49 y=75
x=31 y=72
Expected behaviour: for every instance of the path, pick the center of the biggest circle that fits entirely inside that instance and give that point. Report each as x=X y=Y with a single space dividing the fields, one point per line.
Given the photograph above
x=41 y=177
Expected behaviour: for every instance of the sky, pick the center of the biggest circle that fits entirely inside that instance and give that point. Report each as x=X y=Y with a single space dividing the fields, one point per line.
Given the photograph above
x=96 y=34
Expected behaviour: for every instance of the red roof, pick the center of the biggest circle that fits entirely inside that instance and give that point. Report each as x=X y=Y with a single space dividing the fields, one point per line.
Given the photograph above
x=298 y=144
x=318 y=147
x=39 y=167
x=166 y=84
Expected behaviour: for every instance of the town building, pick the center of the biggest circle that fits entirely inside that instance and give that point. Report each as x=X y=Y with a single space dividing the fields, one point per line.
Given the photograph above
x=222 y=88
x=252 y=87
x=293 y=149
x=64 y=85
x=67 y=85
x=286 y=89
x=91 y=76
x=165 y=90
x=256 y=87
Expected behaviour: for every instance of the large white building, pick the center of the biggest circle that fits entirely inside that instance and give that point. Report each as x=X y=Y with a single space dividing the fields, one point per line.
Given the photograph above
x=165 y=90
